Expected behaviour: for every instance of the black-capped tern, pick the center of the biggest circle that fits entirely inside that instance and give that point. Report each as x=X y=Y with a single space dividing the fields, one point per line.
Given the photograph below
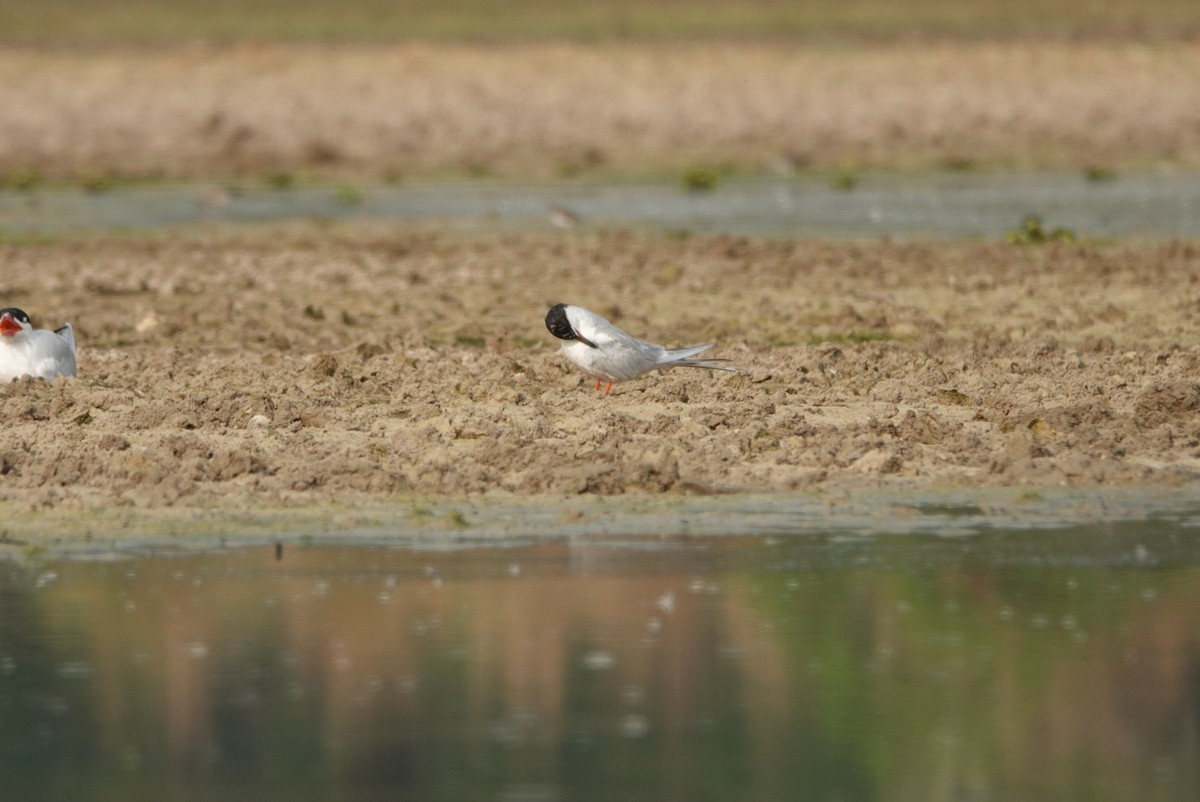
x=26 y=351
x=608 y=354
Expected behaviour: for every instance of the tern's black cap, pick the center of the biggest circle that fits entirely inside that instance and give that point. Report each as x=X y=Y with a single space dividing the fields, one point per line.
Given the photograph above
x=18 y=314
x=558 y=324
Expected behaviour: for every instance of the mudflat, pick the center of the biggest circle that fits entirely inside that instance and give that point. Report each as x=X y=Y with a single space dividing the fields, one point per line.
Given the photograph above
x=239 y=370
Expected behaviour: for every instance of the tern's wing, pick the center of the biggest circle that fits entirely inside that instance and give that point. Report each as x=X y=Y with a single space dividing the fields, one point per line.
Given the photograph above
x=68 y=334
x=53 y=353
x=617 y=354
x=626 y=357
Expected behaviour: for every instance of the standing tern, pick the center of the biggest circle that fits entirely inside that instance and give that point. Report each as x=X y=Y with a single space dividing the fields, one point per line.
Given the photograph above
x=608 y=354
x=26 y=351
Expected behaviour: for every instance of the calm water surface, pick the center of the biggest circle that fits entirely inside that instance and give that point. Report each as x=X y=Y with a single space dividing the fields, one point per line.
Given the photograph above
x=946 y=205
x=1006 y=665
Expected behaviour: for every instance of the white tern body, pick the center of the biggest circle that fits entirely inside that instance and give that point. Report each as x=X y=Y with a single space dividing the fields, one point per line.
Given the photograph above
x=26 y=351
x=608 y=354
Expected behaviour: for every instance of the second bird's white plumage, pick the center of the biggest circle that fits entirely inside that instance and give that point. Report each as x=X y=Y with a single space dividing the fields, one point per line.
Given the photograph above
x=605 y=352
x=26 y=351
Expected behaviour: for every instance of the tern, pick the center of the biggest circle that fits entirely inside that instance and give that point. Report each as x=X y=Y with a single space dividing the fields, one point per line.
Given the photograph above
x=26 y=351
x=608 y=354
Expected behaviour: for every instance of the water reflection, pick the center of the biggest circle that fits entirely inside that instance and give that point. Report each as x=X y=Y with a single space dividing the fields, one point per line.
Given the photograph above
x=1007 y=666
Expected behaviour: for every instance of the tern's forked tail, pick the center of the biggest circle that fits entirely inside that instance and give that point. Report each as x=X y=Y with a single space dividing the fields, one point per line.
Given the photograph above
x=672 y=357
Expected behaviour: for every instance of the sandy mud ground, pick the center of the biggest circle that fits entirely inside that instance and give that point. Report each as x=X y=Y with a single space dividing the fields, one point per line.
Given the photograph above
x=314 y=365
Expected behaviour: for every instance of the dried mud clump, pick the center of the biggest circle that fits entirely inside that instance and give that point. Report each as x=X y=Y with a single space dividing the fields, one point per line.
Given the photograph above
x=1169 y=403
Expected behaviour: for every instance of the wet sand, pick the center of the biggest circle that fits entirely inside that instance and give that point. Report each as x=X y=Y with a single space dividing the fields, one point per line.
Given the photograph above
x=228 y=374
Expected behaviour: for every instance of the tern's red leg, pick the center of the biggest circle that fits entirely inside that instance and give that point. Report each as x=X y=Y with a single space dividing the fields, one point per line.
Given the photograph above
x=607 y=389
x=597 y=384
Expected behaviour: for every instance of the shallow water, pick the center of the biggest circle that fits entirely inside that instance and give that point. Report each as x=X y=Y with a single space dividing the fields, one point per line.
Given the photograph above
x=1004 y=665
x=952 y=205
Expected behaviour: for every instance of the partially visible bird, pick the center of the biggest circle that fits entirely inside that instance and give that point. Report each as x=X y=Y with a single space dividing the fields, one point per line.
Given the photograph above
x=608 y=354
x=564 y=217
x=26 y=351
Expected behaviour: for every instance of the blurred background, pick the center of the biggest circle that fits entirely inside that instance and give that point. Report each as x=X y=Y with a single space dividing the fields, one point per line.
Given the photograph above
x=100 y=93
x=118 y=22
